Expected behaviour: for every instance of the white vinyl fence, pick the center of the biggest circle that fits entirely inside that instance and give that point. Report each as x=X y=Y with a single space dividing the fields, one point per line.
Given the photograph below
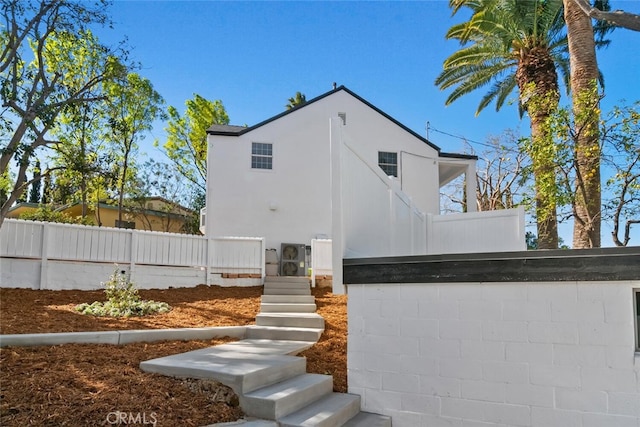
x=380 y=220
x=321 y=259
x=44 y=255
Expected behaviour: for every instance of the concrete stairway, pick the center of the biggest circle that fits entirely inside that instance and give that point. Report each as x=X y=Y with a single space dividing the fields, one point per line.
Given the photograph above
x=272 y=384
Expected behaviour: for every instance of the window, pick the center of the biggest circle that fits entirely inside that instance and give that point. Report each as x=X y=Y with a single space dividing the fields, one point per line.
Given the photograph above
x=388 y=162
x=261 y=155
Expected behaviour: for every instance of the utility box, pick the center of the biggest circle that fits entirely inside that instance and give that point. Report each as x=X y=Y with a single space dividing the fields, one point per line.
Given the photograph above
x=292 y=259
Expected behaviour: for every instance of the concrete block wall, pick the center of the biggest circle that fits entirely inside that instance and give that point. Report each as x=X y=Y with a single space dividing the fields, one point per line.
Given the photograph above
x=496 y=354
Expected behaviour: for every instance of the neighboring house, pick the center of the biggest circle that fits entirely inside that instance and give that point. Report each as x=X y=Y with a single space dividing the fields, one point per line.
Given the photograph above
x=274 y=179
x=151 y=214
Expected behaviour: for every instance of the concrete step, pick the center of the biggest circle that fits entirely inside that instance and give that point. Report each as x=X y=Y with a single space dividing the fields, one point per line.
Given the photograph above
x=269 y=307
x=332 y=410
x=367 y=419
x=299 y=320
x=275 y=290
x=242 y=371
x=281 y=399
x=282 y=333
x=297 y=299
x=287 y=279
x=258 y=346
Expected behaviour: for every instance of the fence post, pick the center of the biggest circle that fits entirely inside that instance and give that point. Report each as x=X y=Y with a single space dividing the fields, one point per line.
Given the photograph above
x=428 y=221
x=209 y=261
x=133 y=255
x=44 y=261
x=263 y=257
x=313 y=263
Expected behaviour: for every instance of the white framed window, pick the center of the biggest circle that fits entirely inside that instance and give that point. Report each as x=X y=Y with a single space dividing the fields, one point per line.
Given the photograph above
x=261 y=155
x=388 y=162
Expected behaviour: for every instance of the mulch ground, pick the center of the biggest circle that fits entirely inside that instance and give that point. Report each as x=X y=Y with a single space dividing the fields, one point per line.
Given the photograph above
x=89 y=384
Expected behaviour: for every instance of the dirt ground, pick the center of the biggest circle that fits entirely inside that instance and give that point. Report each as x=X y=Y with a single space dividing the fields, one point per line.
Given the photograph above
x=90 y=385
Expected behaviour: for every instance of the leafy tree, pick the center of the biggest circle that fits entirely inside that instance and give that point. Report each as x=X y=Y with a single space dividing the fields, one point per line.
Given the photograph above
x=186 y=144
x=48 y=214
x=509 y=44
x=46 y=190
x=81 y=155
x=298 y=99
x=48 y=61
x=621 y=135
x=156 y=179
x=132 y=107
x=34 y=194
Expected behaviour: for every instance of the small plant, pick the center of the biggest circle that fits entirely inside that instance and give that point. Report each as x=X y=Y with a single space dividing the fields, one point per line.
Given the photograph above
x=122 y=300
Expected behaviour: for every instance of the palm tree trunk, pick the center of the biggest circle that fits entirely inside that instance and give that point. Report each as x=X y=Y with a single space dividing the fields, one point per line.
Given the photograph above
x=538 y=85
x=545 y=181
x=584 y=74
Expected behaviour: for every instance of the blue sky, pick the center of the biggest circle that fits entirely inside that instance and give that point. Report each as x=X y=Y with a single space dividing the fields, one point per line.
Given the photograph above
x=255 y=55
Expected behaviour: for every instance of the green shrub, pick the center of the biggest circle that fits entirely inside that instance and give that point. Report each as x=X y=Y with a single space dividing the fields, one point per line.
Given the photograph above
x=122 y=300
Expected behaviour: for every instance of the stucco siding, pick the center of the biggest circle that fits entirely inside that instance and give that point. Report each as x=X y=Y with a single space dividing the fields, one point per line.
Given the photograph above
x=292 y=202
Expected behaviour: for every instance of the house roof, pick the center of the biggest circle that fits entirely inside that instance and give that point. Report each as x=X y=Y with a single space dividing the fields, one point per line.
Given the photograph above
x=232 y=130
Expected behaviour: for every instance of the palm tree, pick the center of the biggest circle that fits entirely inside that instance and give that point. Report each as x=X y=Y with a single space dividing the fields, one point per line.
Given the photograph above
x=584 y=73
x=509 y=44
x=296 y=100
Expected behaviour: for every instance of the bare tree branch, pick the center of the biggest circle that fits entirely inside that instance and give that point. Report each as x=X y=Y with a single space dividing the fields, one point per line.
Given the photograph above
x=619 y=18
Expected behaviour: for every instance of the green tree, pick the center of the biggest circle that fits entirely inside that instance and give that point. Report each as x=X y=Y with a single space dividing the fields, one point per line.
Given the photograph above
x=46 y=190
x=296 y=100
x=186 y=144
x=620 y=140
x=34 y=194
x=509 y=44
x=157 y=179
x=131 y=108
x=47 y=63
x=81 y=156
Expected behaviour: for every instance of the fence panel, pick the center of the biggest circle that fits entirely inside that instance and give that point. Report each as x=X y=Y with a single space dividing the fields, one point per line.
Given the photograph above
x=155 y=248
x=85 y=243
x=493 y=231
x=21 y=239
x=236 y=255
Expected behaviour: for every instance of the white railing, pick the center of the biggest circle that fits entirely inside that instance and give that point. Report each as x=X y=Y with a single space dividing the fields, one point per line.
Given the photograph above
x=379 y=219
x=51 y=244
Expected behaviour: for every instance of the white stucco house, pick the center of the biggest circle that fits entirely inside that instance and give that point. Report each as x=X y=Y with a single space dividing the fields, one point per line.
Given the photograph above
x=284 y=179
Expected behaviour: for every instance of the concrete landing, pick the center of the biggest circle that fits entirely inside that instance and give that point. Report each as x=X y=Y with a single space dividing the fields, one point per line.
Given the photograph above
x=243 y=371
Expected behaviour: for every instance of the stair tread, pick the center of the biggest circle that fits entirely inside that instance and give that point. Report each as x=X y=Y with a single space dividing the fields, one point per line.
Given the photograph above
x=284 y=328
x=321 y=410
x=289 y=386
x=288 y=314
x=238 y=369
x=367 y=419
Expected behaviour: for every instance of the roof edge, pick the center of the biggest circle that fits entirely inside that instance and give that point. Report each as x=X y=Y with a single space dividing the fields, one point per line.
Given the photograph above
x=459 y=156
